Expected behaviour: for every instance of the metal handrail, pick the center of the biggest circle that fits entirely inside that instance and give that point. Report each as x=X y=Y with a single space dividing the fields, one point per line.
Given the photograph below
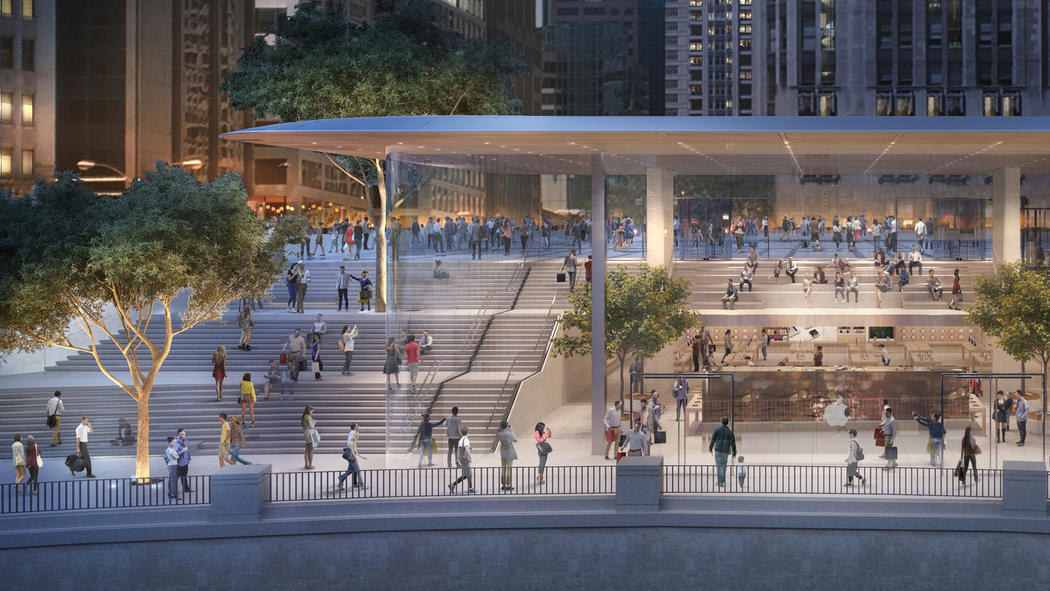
x=503 y=388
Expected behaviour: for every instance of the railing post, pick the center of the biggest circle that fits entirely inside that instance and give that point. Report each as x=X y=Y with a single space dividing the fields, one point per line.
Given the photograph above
x=238 y=492
x=1024 y=489
x=639 y=483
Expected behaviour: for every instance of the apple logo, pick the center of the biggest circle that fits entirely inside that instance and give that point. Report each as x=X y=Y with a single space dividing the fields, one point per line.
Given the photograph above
x=835 y=413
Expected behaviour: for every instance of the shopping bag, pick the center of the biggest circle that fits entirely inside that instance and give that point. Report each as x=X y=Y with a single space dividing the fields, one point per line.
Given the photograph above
x=315 y=367
x=284 y=358
x=660 y=437
x=880 y=437
x=891 y=452
x=610 y=436
x=929 y=445
x=620 y=455
x=560 y=277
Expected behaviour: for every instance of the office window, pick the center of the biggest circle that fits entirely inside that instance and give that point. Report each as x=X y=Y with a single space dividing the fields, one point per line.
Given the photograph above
x=27 y=109
x=27 y=163
x=990 y=105
x=28 y=54
x=934 y=105
x=5 y=7
x=27 y=8
x=7 y=52
x=5 y=162
x=1011 y=105
x=7 y=106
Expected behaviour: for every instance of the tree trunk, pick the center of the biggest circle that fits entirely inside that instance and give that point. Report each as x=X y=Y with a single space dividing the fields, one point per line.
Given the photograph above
x=142 y=439
x=381 y=267
x=621 y=378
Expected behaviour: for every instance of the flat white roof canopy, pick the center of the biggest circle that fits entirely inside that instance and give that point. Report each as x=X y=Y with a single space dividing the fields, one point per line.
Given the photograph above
x=686 y=145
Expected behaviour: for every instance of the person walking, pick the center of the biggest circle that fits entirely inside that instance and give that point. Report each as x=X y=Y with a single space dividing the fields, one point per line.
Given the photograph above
x=723 y=443
x=183 y=449
x=542 y=433
x=310 y=435
x=294 y=348
x=1021 y=415
x=34 y=461
x=224 y=442
x=171 y=460
x=612 y=428
x=935 y=425
x=636 y=443
x=956 y=292
x=54 y=411
x=569 y=266
x=319 y=328
x=1002 y=416
x=970 y=449
x=364 y=292
x=346 y=345
x=304 y=282
x=889 y=432
x=696 y=351
x=342 y=285
x=237 y=440
x=680 y=391
x=727 y=342
x=273 y=378
x=425 y=438
x=351 y=456
x=392 y=365
x=218 y=371
x=18 y=458
x=856 y=454
x=507 y=454
x=245 y=322
x=83 y=429
x=247 y=398
x=316 y=363
x=463 y=460
x=412 y=359
x=453 y=424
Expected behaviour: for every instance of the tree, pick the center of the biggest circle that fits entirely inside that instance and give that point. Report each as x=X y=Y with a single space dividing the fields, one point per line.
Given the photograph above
x=319 y=65
x=643 y=314
x=1013 y=307
x=165 y=235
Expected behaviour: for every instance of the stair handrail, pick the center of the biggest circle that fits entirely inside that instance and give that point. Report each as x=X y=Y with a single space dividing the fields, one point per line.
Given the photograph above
x=503 y=388
x=546 y=318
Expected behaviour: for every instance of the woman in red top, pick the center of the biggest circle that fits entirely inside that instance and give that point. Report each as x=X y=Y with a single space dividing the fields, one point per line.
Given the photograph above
x=32 y=463
x=542 y=434
x=956 y=292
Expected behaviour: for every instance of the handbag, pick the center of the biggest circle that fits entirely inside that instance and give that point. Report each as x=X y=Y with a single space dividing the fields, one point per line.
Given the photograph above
x=347 y=454
x=315 y=367
x=302 y=364
x=976 y=449
x=660 y=437
x=544 y=448
x=891 y=452
x=341 y=345
x=51 y=421
x=560 y=277
x=242 y=399
x=958 y=469
x=610 y=436
x=929 y=445
x=284 y=358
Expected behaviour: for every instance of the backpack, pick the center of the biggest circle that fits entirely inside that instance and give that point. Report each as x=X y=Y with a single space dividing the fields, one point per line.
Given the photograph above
x=860 y=452
x=461 y=455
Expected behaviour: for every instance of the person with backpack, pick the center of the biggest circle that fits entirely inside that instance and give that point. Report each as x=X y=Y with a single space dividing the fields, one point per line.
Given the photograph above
x=856 y=454
x=463 y=460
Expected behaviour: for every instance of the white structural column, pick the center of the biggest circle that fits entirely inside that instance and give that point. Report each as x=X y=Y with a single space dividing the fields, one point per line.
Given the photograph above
x=659 y=215
x=1006 y=214
x=597 y=304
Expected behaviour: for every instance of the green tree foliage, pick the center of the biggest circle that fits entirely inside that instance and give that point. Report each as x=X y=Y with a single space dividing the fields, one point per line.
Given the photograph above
x=70 y=255
x=318 y=65
x=1013 y=307
x=644 y=313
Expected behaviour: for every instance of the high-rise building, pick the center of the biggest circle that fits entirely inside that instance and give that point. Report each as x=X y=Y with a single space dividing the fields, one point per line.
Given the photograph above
x=27 y=93
x=883 y=57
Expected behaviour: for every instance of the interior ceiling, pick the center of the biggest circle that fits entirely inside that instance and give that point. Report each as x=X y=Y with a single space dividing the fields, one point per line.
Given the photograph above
x=685 y=145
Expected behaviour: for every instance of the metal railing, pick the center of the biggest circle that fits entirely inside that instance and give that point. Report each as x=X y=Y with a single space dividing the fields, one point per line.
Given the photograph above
x=99 y=493
x=903 y=481
x=863 y=409
x=399 y=483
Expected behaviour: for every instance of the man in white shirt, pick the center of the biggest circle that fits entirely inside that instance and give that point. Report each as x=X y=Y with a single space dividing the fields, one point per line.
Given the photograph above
x=920 y=234
x=82 y=439
x=569 y=266
x=54 y=416
x=463 y=459
x=427 y=343
x=612 y=428
x=295 y=348
x=320 y=327
x=342 y=284
x=914 y=260
x=350 y=455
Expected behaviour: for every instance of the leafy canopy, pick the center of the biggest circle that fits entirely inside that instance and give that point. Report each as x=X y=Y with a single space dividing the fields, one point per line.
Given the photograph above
x=1013 y=306
x=644 y=313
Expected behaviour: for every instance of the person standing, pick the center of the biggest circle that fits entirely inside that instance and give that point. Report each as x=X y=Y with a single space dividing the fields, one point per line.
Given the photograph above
x=412 y=359
x=956 y=292
x=18 y=458
x=247 y=398
x=818 y=356
x=33 y=463
x=680 y=391
x=935 y=424
x=342 y=284
x=54 y=411
x=245 y=323
x=320 y=327
x=358 y=239
x=183 y=449
x=612 y=428
x=237 y=440
x=1002 y=416
x=224 y=442
x=696 y=350
x=463 y=459
x=889 y=431
x=452 y=426
x=366 y=231
x=171 y=460
x=588 y=274
x=292 y=283
x=392 y=365
x=507 y=454
x=304 y=282
x=764 y=344
x=351 y=456
x=723 y=443
x=295 y=348
x=1021 y=415
x=569 y=266
x=319 y=235
x=310 y=435
x=364 y=293
x=346 y=345
x=83 y=429
x=856 y=454
x=542 y=433
x=316 y=364
x=425 y=438
x=970 y=449
x=218 y=371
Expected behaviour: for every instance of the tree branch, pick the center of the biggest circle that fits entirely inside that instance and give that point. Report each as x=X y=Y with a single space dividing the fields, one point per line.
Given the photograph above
x=344 y=170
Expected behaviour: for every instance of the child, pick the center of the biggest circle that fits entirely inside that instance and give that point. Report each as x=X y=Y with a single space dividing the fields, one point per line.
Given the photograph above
x=741 y=471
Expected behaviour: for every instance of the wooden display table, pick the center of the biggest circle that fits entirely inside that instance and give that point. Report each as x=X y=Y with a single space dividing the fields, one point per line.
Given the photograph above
x=980 y=355
x=694 y=411
x=863 y=356
x=920 y=354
